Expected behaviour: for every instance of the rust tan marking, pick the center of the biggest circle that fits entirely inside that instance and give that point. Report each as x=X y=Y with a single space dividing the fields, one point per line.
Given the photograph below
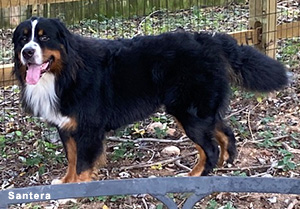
x=95 y=173
x=199 y=167
x=71 y=125
x=85 y=176
x=180 y=126
x=41 y=32
x=25 y=31
x=102 y=160
x=56 y=65
x=223 y=142
x=71 y=175
x=23 y=72
x=71 y=149
x=22 y=68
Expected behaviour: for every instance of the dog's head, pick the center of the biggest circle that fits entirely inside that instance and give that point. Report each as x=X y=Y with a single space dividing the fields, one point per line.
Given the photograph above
x=40 y=46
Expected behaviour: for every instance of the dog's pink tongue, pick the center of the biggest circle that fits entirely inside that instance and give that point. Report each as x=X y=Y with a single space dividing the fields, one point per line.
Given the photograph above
x=34 y=73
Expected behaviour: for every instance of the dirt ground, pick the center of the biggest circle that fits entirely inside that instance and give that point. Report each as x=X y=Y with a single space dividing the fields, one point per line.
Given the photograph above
x=266 y=126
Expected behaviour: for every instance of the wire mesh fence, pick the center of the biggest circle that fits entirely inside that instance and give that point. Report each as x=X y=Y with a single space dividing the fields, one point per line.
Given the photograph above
x=272 y=26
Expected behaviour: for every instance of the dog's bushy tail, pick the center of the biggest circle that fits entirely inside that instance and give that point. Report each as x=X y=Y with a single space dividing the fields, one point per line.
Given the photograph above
x=252 y=69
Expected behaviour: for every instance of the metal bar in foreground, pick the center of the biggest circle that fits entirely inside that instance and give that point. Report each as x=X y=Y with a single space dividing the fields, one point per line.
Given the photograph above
x=157 y=187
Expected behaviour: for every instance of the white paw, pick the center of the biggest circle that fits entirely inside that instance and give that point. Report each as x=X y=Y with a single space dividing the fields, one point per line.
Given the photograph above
x=65 y=201
x=56 y=181
x=182 y=175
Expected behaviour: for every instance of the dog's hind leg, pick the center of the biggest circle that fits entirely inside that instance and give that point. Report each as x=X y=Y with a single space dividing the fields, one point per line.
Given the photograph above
x=226 y=140
x=200 y=131
x=199 y=168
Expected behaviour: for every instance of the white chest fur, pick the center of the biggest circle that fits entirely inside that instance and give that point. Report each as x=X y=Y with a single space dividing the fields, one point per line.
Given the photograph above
x=43 y=101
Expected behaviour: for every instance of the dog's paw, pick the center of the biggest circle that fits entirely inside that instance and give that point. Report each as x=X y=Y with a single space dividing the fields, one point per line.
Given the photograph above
x=56 y=181
x=65 y=201
x=182 y=175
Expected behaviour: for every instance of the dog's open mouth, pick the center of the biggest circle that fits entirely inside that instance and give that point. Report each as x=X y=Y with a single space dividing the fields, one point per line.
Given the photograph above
x=35 y=71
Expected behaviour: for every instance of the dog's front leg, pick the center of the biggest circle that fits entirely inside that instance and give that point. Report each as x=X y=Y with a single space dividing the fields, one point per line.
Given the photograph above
x=83 y=149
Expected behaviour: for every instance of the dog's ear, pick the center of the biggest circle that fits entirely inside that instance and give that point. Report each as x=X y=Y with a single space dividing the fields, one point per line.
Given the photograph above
x=62 y=29
x=68 y=40
x=17 y=33
x=19 y=70
x=63 y=34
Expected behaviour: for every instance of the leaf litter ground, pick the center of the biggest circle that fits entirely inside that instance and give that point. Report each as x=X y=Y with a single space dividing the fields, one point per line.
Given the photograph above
x=266 y=127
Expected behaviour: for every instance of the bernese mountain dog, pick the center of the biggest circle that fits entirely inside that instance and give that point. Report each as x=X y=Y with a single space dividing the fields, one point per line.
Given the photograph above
x=87 y=87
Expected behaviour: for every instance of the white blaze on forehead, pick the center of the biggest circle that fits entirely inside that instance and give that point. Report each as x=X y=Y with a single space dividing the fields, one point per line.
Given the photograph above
x=33 y=26
x=37 y=58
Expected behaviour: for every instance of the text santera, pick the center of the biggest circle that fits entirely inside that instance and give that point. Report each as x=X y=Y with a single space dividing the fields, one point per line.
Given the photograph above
x=28 y=196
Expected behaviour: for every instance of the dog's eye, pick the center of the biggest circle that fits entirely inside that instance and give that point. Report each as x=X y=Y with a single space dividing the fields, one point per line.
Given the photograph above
x=44 y=38
x=24 y=38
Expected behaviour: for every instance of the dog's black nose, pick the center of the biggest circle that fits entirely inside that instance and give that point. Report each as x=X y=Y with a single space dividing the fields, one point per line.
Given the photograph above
x=28 y=53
